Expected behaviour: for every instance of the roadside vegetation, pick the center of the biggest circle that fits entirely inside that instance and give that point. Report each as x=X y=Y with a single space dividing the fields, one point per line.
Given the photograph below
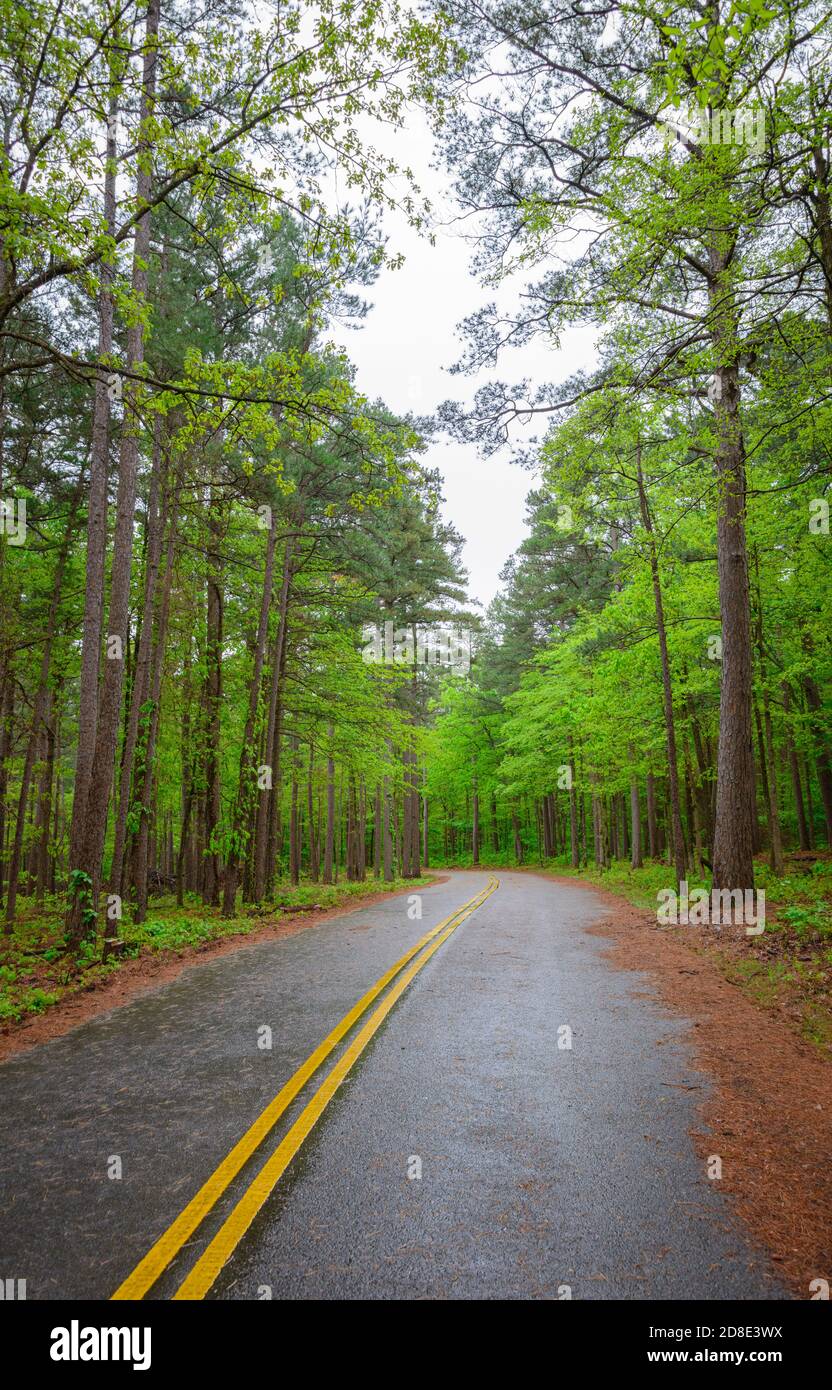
x=36 y=973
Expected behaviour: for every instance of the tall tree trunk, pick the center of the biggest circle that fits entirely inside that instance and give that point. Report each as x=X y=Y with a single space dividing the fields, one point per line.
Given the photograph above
x=6 y=728
x=733 y=829
x=803 y=833
x=156 y=518
x=101 y=775
x=96 y=515
x=246 y=777
x=425 y=826
x=388 y=838
x=635 y=820
x=694 y=825
x=574 y=847
x=264 y=839
x=361 y=834
x=294 y=838
x=214 y=620
x=407 y=807
x=415 y=819
x=351 y=856
x=377 y=832
x=775 y=838
x=329 y=851
x=597 y=825
x=652 y=829
x=189 y=791
x=544 y=815
x=701 y=781
x=518 y=843
x=310 y=793
x=677 y=836
x=146 y=778
x=51 y=720
x=56 y=858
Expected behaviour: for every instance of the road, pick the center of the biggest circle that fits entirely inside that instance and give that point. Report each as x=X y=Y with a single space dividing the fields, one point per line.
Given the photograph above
x=468 y=1152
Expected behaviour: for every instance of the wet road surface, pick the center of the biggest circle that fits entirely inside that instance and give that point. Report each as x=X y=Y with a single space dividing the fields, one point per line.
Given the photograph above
x=517 y=1127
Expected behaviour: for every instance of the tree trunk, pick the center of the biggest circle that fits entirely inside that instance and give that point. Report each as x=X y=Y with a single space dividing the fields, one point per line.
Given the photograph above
x=6 y=727
x=146 y=777
x=803 y=833
x=329 y=851
x=246 y=779
x=96 y=516
x=775 y=837
x=652 y=828
x=701 y=781
x=518 y=843
x=635 y=822
x=388 y=838
x=597 y=828
x=156 y=519
x=733 y=829
x=294 y=839
x=44 y=858
x=310 y=809
x=103 y=764
x=407 y=807
x=678 y=838
x=425 y=826
x=263 y=837
x=214 y=620
x=574 y=842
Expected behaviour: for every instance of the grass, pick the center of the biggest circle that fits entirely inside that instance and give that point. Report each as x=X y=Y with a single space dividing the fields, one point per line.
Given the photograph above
x=36 y=973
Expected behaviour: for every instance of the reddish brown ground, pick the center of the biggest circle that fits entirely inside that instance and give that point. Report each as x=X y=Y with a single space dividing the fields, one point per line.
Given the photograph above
x=769 y=1112
x=148 y=971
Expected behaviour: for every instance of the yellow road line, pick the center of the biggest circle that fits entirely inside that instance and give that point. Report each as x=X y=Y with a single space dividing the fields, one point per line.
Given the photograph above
x=159 y=1256
x=228 y=1237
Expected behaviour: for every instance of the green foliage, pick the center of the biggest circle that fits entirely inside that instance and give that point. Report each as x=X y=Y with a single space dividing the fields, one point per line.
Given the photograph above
x=179 y=930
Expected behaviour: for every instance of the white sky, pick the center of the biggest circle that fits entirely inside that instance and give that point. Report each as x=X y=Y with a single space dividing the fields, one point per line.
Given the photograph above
x=408 y=342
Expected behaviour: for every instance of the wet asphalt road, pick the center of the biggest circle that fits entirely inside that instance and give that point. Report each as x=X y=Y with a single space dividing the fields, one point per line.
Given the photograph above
x=542 y=1167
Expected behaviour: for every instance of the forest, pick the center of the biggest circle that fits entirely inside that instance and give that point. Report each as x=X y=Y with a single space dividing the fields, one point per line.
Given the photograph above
x=204 y=519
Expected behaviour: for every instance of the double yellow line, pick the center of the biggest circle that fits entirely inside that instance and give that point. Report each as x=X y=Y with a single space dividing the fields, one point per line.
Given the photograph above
x=208 y=1266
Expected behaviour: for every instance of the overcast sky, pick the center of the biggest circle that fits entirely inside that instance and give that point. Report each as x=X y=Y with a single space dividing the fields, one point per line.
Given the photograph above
x=408 y=342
